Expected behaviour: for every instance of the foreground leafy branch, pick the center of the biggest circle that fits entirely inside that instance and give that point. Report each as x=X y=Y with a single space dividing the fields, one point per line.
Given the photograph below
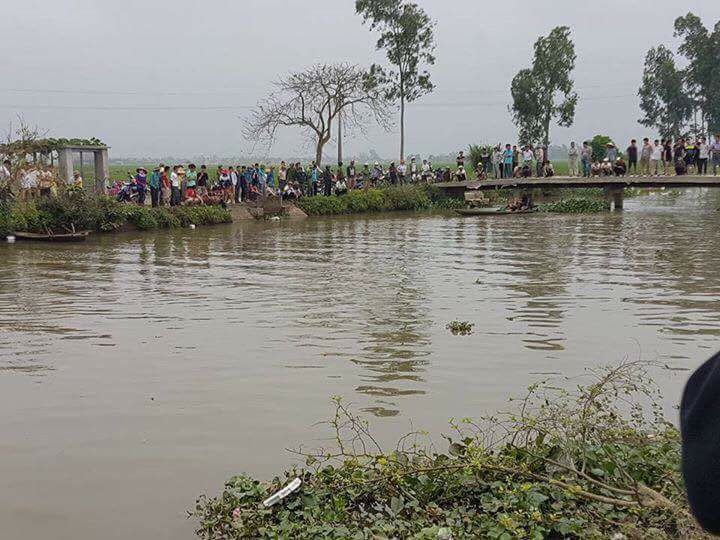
x=588 y=457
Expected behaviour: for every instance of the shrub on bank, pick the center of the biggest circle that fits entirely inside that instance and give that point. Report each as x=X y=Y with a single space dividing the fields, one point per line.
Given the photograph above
x=83 y=212
x=567 y=464
x=409 y=197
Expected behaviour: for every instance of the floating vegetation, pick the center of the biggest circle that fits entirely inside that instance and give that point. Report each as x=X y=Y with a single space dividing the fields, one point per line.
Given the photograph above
x=576 y=206
x=460 y=328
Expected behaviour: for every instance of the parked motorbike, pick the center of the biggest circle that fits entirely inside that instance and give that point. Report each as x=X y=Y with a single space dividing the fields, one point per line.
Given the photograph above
x=128 y=192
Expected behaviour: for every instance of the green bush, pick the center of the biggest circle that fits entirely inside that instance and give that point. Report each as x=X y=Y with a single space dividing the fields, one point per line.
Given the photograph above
x=571 y=462
x=409 y=197
x=83 y=212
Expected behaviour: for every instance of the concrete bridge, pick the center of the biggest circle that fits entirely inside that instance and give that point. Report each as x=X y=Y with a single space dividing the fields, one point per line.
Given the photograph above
x=612 y=185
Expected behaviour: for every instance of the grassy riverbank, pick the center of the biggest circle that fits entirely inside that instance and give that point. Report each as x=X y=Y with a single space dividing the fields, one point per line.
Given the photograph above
x=566 y=463
x=81 y=211
x=411 y=197
x=423 y=197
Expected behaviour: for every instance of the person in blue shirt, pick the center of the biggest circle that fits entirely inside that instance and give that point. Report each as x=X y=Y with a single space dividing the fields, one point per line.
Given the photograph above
x=314 y=178
x=508 y=162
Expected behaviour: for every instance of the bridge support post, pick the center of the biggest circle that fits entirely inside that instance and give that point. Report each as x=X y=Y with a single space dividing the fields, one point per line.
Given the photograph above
x=615 y=196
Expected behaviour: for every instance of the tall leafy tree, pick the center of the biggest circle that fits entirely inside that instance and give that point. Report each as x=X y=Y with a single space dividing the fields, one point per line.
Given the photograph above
x=701 y=47
x=408 y=39
x=544 y=92
x=664 y=100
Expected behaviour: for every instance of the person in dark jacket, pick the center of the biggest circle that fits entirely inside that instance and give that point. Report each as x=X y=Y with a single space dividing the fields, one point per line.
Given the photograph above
x=327 y=181
x=700 y=428
x=632 y=153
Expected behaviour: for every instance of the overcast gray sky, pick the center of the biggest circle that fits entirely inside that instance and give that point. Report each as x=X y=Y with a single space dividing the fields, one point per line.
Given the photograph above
x=161 y=77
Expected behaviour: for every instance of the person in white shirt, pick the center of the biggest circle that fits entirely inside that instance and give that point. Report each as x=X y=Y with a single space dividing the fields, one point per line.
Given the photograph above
x=340 y=187
x=574 y=159
x=425 y=171
x=655 y=158
x=413 y=170
x=234 y=184
x=527 y=155
x=175 y=195
x=703 y=156
x=402 y=171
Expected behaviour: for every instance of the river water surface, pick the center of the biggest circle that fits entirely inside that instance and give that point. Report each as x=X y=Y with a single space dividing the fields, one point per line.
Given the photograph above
x=140 y=370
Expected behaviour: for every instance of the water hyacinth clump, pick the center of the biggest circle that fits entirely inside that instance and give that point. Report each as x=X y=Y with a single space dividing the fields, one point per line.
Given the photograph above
x=460 y=328
x=576 y=206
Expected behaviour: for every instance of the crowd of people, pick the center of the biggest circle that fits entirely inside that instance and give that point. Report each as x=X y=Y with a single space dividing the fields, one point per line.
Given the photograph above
x=175 y=185
x=661 y=157
x=178 y=184
x=234 y=184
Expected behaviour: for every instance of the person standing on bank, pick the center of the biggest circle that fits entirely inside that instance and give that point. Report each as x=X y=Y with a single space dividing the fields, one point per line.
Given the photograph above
x=611 y=153
x=645 y=154
x=632 y=153
x=667 y=156
x=154 y=185
x=655 y=158
x=586 y=157
x=165 y=186
x=351 y=174
x=327 y=181
x=703 y=151
x=141 y=184
x=715 y=154
x=402 y=172
x=202 y=181
x=508 y=157
x=175 y=185
x=539 y=161
x=573 y=158
x=191 y=182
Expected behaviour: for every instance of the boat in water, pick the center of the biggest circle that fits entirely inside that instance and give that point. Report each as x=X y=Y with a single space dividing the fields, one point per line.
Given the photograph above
x=76 y=236
x=498 y=211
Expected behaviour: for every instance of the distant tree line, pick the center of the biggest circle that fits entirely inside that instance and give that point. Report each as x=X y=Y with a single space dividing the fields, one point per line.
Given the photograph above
x=324 y=98
x=683 y=101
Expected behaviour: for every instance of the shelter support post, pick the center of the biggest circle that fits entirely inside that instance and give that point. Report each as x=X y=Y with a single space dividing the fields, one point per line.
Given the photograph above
x=102 y=171
x=65 y=165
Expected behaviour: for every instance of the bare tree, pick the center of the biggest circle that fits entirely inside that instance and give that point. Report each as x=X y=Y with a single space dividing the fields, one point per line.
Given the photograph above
x=313 y=99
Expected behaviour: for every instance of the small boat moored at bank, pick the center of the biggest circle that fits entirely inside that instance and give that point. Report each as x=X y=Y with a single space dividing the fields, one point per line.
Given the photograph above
x=499 y=211
x=78 y=236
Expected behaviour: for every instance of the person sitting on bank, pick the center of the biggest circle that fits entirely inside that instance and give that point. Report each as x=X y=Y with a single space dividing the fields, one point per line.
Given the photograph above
x=548 y=170
x=680 y=165
x=606 y=168
x=460 y=174
x=341 y=187
x=620 y=167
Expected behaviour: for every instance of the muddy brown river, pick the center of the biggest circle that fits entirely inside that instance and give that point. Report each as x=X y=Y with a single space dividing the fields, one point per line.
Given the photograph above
x=140 y=370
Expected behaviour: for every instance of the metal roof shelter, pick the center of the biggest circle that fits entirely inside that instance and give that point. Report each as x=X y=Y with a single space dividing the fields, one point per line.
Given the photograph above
x=100 y=154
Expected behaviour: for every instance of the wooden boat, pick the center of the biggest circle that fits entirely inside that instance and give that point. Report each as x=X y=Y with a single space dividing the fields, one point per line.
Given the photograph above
x=78 y=236
x=499 y=211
